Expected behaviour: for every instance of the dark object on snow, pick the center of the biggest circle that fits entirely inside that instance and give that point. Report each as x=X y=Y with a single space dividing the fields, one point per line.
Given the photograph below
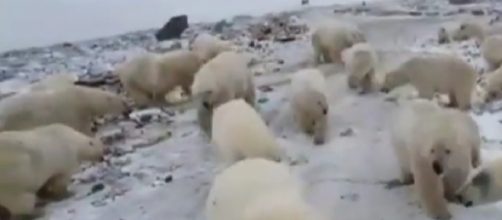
x=168 y=179
x=477 y=12
x=173 y=28
x=220 y=26
x=305 y=2
x=98 y=187
x=460 y=2
x=98 y=81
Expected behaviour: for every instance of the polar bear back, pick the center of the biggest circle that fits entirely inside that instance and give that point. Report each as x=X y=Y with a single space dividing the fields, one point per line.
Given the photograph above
x=226 y=72
x=207 y=46
x=239 y=131
x=360 y=58
x=308 y=79
x=242 y=183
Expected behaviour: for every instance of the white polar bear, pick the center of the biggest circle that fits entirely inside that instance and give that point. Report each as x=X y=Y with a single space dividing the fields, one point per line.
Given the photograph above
x=309 y=102
x=331 y=37
x=222 y=79
x=207 y=46
x=149 y=77
x=469 y=29
x=483 y=185
x=257 y=189
x=239 y=132
x=492 y=88
x=55 y=81
x=30 y=159
x=434 y=73
x=361 y=63
x=436 y=149
x=74 y=106
x=491 y=51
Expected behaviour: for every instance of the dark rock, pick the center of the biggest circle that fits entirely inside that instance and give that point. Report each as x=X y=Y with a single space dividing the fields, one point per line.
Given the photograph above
x=415 y=13
x=284 y=39
x=460 y=2
x=305 y=2
x=347 y=132
x=97 y=188
x=262 y=100
x=173 y=28
x=168 y=179
x=220 y=26
x=266 y=88
x=477 y=12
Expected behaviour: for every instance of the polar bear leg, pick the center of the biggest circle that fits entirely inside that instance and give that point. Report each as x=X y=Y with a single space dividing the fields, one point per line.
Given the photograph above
x=141 y=98
x=462 y=97
x=250 y=95
x=57 y=188
x=204 y=117
x=425 y=93
x=367 y=82
x=334 y=56
x=24 y=204
x=476 y=158
x=429 y=188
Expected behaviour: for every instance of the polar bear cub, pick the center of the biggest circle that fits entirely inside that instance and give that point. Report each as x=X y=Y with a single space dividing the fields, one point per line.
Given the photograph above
x=361 y=63
x=207 y=46
x=434 y=73
x=74 y=106
x=239 y=132
x=309 y=102
x=257 y=189
x=331 y=37
x=483 y=185
x=222 y=79
x=436 y=149
x=31 y=158
x=149 y=77
x=490 y=49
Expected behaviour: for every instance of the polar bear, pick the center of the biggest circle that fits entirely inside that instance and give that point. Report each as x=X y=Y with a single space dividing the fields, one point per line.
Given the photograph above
x=238 y=132
x=490 y=49
x=223 y=78
x=149 y=77
x=207 y=46
x=436 y=149
x=483 y=185
x=469 y=29
x=30 y=158
x=331 y=37
x=443 y=36
x=492 y=88
x=258 y=189
x=434 y=73
x=309 y=103
x=55 y=81
x=361 y=63
x=74 y=106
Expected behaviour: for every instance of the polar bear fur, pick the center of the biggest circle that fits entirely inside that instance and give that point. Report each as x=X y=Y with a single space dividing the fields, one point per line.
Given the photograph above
x=493 y=86
x=434 y=73
x=55 y=81
x=469 y=29
x=149 y=77
x=490 y=49
x=222 y=79
x=239 y=132
x=31 y=158
x=207 y=46
x=309 y=102
x=484 y=185
x=436 y=149
x=257 y=189
x=331 y=37
x=361 y=63
x=74 y=106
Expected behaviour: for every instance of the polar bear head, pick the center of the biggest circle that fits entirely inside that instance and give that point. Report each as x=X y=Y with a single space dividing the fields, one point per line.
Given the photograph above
x=478 y=189
x=468 y=30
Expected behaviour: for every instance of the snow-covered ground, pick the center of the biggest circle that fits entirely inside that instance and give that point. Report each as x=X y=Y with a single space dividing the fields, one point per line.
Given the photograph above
x=169 y=178
x=27 y=23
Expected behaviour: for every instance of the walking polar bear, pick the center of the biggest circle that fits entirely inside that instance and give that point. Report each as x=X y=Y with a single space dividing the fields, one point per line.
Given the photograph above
x=222 y=79
x=434 y=73
x=361 y=63
x=207 y=46
x=257 y=189
x=436 y=149
x=149 y=77
x=309 y=102
x=239 y=132
x=331 y=37
x=45 y=156
x=74 y=106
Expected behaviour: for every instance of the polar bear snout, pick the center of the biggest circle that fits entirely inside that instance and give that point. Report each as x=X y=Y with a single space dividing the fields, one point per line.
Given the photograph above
x=437 y=168
x=460 y=199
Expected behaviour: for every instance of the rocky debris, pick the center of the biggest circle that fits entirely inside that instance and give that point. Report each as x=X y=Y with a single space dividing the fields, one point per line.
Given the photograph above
x=460 y=2
x=347 y=132
x=113 y=135
x=173 y=28
x=282 y=28
x=477 y=12
x=221 y=26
